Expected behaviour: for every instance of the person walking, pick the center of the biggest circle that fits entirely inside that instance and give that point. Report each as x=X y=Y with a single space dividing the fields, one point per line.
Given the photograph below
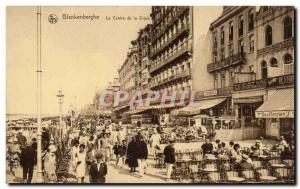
x=116 y=150
x=81 y=164
x=141 y=154
x=122 y=152
x=50 y=165
x=27 y=161
x=155 y=142
x=131 y=156
x=98 y=170
x=169 y=153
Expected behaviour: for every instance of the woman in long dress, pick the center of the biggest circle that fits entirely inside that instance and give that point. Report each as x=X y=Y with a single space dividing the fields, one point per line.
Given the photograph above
x=81 y=164
x=50 y=165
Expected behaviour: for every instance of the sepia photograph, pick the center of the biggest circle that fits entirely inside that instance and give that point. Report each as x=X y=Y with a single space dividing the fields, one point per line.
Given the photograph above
x=150 y=95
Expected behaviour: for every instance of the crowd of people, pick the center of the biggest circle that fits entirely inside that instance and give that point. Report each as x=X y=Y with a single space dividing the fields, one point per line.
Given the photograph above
x=91 y=147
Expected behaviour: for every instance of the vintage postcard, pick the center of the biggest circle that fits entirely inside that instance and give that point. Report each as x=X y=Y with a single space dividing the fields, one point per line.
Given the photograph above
x=150 y=94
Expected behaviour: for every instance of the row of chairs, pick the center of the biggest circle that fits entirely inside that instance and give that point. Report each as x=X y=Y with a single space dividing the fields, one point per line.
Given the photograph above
x=219 y=170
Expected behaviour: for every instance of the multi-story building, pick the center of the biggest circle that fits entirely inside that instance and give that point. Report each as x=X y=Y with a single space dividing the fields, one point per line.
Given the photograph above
x=128 y=77
x=171 y=48
x=268 y=97
x=143 y=43
x=251 y=53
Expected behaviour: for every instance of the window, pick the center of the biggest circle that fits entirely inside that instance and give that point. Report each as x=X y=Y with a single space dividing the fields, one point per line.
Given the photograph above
x=230 y=50
x=273 y=62
x=215 y=56
x=264 y=70
x=268 y=35
x=222 y=80
x=222 y=54
x=215 y=81
x=231 y=78
x=288 y=28
x=288 y=59
x=230 y=31
x=251 y=43
x=222 y=36
x=241 y=25
x=241 y=46
x=251 y=20
x=215 y=40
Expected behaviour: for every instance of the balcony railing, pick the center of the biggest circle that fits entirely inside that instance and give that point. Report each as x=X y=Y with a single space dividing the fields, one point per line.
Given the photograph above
x=276 y=47
x=182 y=74
x=182 y=30
x=169 y=59
x=263 y=83
x=232 y=60
x=159 y=34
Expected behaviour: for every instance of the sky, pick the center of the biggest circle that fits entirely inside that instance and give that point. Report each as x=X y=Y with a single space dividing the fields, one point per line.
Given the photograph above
x=79 y=56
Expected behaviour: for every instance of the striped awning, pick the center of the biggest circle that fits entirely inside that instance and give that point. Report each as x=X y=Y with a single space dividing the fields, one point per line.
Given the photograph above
x=201 y=105
x=280 y=104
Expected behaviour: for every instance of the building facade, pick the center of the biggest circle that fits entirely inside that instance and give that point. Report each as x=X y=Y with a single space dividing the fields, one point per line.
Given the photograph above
x=268 y=98
x=171 y=49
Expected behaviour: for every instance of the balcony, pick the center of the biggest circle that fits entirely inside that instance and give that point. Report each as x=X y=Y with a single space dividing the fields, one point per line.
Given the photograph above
x=263 y=83
x=169 y=59
x=230 y=61
x=182 y=30
x=182 y=74
x=224 y=91
x=276 y=47
x=165 y=28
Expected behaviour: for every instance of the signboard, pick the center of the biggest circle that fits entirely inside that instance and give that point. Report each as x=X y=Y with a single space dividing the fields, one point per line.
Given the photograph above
x=275 y=114
x=270 y=82
x=210 y=93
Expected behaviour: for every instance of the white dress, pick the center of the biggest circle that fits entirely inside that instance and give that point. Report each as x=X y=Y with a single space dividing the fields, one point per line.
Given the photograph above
x=80 y=170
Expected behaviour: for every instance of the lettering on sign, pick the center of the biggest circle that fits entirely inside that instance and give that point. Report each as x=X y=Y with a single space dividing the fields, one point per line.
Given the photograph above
x=275 y=114
x=210 y=93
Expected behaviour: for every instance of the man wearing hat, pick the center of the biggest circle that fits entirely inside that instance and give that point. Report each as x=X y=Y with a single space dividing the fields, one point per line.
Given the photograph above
x=27 y=161
x=169 y=153
x=98 y=170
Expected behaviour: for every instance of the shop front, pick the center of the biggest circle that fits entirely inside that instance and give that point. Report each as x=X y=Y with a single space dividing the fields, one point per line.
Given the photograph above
x=278 y=112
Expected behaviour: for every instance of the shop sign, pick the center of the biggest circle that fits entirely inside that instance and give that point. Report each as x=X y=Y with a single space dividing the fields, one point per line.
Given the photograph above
x=275 y=114
x=210 y=93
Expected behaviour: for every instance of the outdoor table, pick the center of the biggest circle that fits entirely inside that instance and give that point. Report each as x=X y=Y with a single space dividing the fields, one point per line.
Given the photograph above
x=267 y=178
x=278 y=165
x=263 y=157
x=235 y=179
x=209 y=170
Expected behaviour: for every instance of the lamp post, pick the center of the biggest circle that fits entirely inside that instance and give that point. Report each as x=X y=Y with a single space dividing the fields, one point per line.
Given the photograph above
x=60 y=102
x=39 y=97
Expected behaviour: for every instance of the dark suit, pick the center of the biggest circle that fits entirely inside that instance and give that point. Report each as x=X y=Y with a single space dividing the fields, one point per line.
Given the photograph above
x=98 y=175
x=28 y=160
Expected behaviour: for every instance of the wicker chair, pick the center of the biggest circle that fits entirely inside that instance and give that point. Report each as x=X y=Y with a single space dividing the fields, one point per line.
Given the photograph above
x=264 y=175
x=249 y=175
x=258 y=165
x=214 y=177
x=233 y=176
x=284 y=174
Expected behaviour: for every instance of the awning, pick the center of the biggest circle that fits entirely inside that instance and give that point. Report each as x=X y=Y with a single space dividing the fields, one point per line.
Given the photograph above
x=120 y=108
x=202 y=105
x=160 y=106
x=137 y=111
x=279 y=105
x=247 y=100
